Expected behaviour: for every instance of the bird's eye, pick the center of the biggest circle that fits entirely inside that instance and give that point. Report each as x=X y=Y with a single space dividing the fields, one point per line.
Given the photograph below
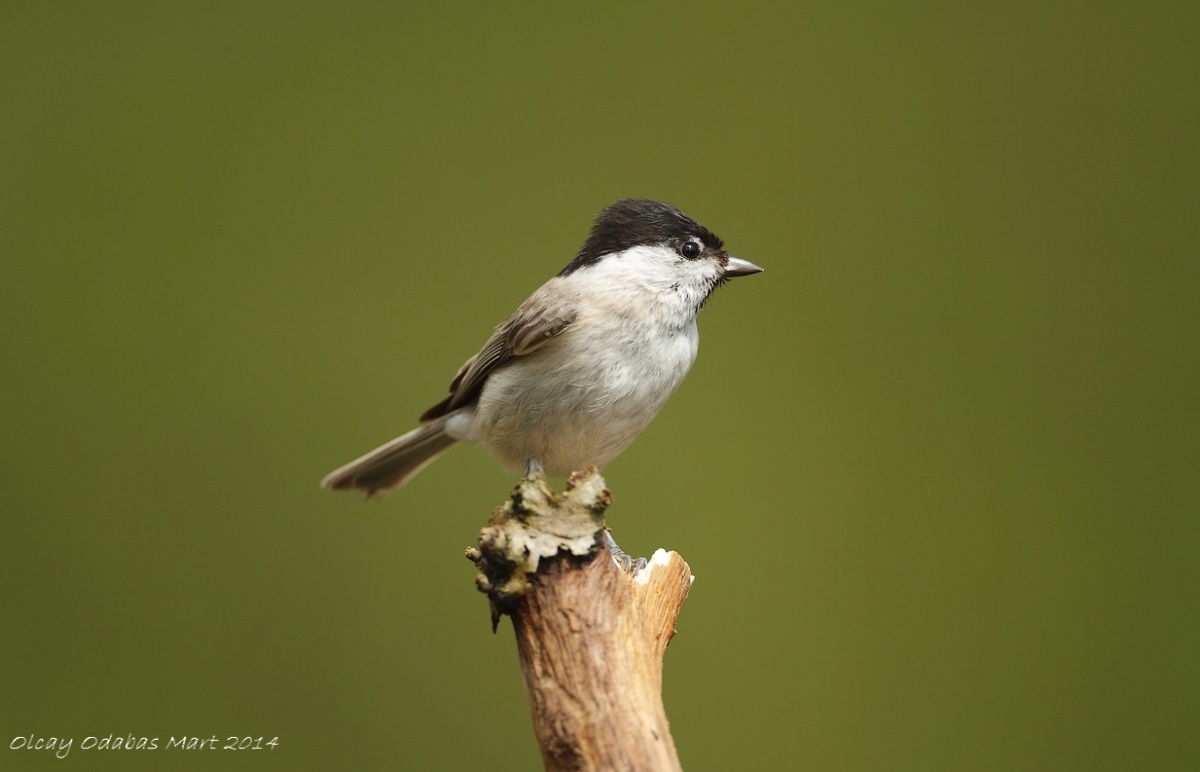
x=690 y=250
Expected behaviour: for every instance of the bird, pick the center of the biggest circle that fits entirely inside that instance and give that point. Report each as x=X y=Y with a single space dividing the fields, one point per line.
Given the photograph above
x=583 y=365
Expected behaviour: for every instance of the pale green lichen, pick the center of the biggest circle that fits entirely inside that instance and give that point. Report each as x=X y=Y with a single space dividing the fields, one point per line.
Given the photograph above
x=537 y=523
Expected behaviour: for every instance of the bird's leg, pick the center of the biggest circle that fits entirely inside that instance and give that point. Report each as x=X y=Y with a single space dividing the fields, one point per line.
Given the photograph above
x=623 y=559
x=533 y=468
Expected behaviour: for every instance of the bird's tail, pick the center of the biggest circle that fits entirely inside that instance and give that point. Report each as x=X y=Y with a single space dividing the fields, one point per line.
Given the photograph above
x=389 y=466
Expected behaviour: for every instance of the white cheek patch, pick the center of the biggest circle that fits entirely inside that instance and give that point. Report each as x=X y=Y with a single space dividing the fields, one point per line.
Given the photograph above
x=651 y=276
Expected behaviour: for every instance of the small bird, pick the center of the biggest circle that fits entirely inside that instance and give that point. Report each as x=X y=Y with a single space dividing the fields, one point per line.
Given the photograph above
x=581 y=368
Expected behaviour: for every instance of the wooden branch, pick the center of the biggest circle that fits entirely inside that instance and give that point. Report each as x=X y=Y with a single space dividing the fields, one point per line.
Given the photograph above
x=591 y=636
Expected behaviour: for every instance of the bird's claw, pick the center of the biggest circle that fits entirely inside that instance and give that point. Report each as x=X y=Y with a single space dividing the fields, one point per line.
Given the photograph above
x=623 y=559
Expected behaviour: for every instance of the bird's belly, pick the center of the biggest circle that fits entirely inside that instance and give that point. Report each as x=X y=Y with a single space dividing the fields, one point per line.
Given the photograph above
x=571 y=408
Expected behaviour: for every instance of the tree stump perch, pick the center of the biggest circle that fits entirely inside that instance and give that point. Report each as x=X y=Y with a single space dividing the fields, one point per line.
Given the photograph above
x=590 y=636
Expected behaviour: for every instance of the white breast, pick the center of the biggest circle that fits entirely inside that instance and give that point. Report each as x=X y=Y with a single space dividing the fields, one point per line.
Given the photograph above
x=585 y=396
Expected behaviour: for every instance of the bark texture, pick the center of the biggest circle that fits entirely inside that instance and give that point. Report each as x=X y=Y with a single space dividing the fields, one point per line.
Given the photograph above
x=590 y=635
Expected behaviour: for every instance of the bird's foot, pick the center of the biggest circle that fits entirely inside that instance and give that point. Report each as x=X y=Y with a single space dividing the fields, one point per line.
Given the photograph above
x=534 y=470
x=623 y=559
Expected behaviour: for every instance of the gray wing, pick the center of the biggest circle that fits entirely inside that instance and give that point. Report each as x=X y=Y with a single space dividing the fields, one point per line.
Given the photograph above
x=534 y=324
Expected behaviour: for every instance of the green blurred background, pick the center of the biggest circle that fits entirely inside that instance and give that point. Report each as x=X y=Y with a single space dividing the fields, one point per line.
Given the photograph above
x=935 y=469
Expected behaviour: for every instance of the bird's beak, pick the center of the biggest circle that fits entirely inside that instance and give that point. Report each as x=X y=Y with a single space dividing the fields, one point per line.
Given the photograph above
x=736 y=266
